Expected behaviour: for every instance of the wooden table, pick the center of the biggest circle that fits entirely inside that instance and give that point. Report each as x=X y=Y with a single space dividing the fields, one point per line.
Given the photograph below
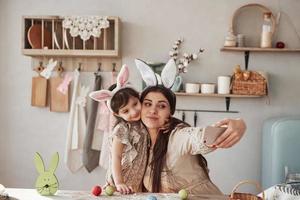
x=32 y=194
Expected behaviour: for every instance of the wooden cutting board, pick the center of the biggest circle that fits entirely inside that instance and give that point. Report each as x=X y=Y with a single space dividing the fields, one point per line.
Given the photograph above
x=39 y=91
x=58 y=102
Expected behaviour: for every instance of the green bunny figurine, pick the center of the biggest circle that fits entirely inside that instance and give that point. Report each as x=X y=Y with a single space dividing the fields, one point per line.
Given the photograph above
x=46 y=183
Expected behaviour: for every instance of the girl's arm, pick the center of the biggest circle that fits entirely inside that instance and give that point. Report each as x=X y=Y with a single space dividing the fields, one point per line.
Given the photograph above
x=117 y=150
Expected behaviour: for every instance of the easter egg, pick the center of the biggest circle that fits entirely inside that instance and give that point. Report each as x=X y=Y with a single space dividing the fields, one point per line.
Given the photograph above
x=96 y=190
x=183 y=194
x=109 y=190
x=151 y=198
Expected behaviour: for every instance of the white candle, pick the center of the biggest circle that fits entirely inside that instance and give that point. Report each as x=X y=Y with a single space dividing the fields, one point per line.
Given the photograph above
x=224 y=84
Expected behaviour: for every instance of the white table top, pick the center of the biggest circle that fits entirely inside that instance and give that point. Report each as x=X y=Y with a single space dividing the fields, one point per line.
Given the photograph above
x=32 y=194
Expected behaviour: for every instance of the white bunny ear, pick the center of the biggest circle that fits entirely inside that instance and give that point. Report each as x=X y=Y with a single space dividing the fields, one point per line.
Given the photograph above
x=168 y=73
x=101 y=95
x=123 y=76
x=147 y=73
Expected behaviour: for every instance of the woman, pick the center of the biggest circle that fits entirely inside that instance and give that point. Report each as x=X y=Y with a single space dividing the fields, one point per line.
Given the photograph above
x=175 y=157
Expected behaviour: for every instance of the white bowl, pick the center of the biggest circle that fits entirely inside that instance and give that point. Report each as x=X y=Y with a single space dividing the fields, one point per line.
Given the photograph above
x=208 y=88
x=192 y=87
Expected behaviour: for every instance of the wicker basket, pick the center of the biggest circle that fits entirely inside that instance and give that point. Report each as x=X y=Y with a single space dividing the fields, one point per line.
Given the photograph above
x=246 y=196
x=254 y=84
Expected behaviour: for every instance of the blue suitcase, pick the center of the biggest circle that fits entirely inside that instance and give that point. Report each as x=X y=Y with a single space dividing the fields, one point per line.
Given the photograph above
x=280 y=149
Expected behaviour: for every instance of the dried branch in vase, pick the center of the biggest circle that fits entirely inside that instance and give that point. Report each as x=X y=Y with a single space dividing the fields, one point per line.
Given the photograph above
x=183 y=62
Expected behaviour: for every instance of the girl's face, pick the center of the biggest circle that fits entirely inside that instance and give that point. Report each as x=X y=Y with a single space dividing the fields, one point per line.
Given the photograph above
x=155 y=110
x=132 y=111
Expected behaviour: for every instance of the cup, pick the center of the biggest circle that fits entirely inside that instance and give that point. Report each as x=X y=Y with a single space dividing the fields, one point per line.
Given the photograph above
x=192 y=87
x=224 y=84
x=208 y=88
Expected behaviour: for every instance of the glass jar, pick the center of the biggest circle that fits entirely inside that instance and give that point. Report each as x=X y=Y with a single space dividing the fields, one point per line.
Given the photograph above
x=266 y=35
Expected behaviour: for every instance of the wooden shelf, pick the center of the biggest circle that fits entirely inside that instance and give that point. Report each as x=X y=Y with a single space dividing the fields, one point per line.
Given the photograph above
x=218 y=95
x=69 y=53
x=227 y=98
x=257 y=49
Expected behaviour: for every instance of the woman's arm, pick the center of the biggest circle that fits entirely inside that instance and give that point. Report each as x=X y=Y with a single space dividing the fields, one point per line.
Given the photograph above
x=117 y=150
x=234 y=132
x=188 y=140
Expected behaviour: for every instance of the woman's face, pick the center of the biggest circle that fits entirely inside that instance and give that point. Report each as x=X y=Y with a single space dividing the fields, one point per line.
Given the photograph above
x=155 y=110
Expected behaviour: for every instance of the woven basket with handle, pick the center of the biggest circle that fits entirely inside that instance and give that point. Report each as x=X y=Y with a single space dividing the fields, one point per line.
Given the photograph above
x=254 y=84
x=246 y=196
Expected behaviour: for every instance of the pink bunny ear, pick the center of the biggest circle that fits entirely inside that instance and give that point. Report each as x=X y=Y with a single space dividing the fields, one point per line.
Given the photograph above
x=123 y=76
x=101 y=95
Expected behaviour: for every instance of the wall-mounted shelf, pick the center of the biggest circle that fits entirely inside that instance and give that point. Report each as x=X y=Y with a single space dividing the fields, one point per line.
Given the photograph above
x=226 y=96
x=247 y=51
x=50 y=32
x=217 y=95
x=45 y=37
x=70 y=53
x=257 y=49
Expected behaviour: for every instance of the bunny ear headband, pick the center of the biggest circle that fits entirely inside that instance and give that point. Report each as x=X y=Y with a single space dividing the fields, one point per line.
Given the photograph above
x=167 y=77
x=106 y=95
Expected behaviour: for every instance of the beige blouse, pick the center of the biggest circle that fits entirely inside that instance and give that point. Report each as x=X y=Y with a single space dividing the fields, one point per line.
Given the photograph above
x=182 y=170
x=134 y=157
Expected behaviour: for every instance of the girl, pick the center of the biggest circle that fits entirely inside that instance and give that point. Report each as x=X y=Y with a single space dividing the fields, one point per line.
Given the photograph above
x=129 y=137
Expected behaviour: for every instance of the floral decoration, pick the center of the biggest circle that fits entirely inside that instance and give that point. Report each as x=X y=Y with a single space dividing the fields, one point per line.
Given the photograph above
x=183 y=62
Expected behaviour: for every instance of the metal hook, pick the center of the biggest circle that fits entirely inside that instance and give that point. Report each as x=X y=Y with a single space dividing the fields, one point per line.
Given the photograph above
x=60 y=63
x=195 y=119
x=41 y=63
x=99 y=67
x=114 y=67
x=79 y=66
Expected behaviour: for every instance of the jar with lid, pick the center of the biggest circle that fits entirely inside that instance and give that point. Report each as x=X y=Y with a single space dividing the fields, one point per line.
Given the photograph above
x=266 y=35
x=230 y=39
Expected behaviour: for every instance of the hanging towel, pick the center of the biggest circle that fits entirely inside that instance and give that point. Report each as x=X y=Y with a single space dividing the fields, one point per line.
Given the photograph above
x=105 y=124
x=106 y=145
x=104 y=117
x=90 y=156
x=76 y=126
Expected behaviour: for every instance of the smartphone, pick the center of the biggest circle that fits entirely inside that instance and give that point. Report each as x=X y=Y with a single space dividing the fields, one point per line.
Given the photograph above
x=211 y=133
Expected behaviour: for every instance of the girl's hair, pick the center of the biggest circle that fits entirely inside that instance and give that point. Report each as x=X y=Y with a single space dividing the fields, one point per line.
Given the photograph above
x=121 y=97
x=160 y=148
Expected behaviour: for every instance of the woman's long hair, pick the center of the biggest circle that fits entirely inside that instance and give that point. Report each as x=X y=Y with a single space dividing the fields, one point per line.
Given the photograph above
x=161 y=146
